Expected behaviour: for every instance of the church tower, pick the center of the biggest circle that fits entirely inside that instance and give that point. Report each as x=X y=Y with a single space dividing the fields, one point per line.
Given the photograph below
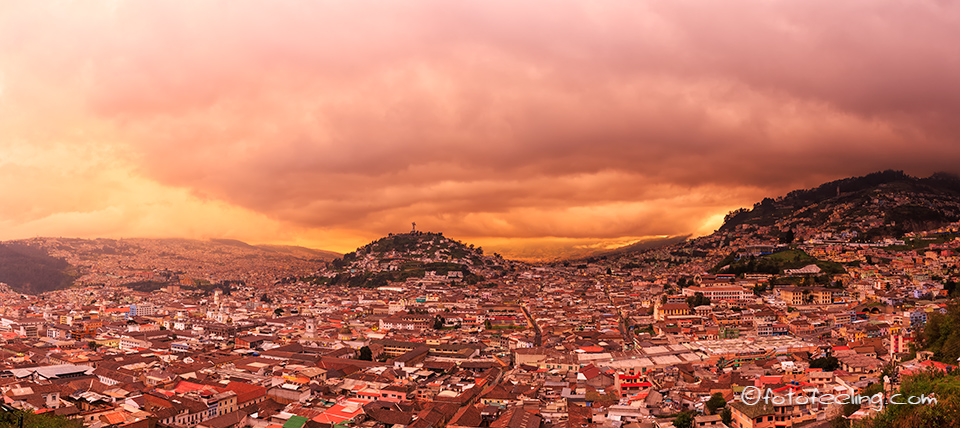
x=311 y=328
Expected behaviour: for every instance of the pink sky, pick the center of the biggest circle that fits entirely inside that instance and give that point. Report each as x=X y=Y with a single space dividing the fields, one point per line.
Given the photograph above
x=328 y=124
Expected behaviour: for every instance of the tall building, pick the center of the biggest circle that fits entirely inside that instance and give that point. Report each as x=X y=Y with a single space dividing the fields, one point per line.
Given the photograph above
x=142 y=310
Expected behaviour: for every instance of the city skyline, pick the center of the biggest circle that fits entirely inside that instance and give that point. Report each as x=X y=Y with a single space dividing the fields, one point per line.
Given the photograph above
x=510 y=126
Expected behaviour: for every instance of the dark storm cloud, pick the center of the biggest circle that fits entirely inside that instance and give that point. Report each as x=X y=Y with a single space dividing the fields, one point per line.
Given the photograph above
x=561 y=118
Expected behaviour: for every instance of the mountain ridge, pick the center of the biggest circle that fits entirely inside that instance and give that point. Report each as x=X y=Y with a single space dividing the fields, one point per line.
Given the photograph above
x=882 y=208
x=881 y=205
x=851 y=190
x=40 y=264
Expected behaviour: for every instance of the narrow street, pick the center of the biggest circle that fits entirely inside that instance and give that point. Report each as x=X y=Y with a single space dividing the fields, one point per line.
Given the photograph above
x=538 y=339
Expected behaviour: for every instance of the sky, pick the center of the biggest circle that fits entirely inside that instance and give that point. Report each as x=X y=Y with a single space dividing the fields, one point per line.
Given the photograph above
x=559 y=123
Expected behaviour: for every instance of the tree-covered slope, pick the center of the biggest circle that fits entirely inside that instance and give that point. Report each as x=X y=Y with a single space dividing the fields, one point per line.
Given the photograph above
x=881 y=204
x=30 y=270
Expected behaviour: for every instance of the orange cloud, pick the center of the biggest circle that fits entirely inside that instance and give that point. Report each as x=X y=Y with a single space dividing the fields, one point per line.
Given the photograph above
x=333 y=123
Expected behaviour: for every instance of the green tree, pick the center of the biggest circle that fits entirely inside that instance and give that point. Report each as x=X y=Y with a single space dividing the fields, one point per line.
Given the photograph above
x=941 y=334
x=944 y=413
x=839 y=422
x=759 y=289
x=828 y=364
x=12 y=417
x=726 y=416
x=787 y=237
x=278 y=312
x=683 y=420
x=715 y=402
x=698 y=299
x=93 y=345
x=365 y=354
x=438 y=322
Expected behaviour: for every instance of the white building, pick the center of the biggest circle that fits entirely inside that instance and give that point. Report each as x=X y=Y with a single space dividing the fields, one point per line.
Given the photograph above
x=716 y=294
x=142 y=310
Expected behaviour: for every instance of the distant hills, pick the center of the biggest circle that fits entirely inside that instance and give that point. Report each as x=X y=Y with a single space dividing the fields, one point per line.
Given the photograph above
x=37 y=265
x=292 y=250
x=877 y=206
x=30 y=270
x=553 y=250
x=642 y=246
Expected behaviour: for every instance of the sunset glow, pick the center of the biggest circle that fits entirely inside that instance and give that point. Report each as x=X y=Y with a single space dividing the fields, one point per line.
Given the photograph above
x=553 y=123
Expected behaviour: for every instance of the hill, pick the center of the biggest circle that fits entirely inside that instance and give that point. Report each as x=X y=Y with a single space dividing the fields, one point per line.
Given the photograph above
x=292 y=250
x=37 y=265
x=30 y=270
x=302 y=252
x=776 y=264
x=554 y=250
x=420 y=257
x=886 y=208
x=886 y=204
x=643 y=246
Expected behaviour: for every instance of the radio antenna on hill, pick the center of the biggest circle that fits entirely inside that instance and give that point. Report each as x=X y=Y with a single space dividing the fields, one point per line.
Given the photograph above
x=414 y=230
